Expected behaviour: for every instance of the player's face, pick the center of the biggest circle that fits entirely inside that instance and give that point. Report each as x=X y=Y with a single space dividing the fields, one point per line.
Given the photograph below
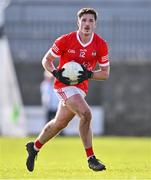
x=87 y=24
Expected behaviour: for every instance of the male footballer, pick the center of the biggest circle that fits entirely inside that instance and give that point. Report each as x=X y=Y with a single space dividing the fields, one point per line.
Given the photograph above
x=88 y=49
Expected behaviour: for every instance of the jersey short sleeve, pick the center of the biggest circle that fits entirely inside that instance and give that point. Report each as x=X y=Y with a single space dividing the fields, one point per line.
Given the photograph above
x=103 y=54
x=58 y=46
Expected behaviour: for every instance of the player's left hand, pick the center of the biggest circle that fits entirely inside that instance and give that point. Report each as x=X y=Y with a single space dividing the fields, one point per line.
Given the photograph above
x=85 y=74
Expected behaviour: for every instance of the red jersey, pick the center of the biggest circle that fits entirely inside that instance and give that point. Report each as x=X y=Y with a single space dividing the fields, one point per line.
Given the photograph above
x=70 y=48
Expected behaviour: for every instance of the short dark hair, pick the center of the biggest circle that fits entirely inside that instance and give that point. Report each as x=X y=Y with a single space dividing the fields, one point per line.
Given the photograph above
x=83 y=11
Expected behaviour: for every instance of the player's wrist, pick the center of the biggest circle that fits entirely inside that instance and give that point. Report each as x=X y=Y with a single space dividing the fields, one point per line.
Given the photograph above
x=54 y=72
x=90 y=75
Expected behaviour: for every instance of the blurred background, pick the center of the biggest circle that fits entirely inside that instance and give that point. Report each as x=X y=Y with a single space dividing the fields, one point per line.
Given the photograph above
x=120 y=105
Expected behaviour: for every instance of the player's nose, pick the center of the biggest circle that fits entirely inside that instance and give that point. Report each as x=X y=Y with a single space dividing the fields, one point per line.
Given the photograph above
x=87 y=23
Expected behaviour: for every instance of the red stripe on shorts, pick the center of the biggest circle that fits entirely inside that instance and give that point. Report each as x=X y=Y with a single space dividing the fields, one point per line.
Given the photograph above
x=62 y=94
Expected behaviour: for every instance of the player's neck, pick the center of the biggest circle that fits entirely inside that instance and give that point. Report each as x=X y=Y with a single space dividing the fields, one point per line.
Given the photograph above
x=84 y=38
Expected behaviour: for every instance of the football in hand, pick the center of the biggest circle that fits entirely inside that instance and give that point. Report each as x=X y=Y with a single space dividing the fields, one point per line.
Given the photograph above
x=71 y=70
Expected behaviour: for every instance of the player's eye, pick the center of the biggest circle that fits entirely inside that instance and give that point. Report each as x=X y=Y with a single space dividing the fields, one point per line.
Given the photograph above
x=91 y=20
x=83 y=20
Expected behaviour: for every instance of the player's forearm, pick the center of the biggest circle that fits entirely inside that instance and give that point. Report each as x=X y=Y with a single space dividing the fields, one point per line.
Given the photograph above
x=101 y=74
x=48 y=64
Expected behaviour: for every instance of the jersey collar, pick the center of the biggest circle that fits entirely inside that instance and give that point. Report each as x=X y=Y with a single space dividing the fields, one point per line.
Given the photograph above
x=84 y=45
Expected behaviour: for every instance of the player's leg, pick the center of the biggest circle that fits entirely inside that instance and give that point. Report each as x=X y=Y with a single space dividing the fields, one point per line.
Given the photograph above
x=52 y=128
x=78 y=105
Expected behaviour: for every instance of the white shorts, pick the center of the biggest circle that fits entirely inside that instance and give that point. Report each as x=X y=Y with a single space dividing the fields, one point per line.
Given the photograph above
x=66 y=92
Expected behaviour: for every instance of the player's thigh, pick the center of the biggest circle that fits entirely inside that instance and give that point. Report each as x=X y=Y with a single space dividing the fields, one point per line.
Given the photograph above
x=64 y=114
x=77 y=104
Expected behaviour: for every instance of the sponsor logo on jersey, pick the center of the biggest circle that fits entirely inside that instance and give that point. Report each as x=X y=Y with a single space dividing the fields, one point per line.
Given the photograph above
x=87 y=65
x=72 y=51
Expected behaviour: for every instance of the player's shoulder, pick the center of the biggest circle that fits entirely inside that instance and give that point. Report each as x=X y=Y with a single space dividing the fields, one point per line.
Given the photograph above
x=70 y=36
x=67 y=36
x=99 y=39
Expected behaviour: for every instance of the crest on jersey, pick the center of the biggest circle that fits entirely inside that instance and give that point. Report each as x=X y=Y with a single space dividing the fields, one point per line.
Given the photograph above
x=94 y=53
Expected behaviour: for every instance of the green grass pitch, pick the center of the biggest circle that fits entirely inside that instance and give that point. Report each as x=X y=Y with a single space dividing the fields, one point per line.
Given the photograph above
x=64 y=158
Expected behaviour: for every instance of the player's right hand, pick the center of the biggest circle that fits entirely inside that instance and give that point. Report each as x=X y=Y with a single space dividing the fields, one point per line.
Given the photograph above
x=58 y=75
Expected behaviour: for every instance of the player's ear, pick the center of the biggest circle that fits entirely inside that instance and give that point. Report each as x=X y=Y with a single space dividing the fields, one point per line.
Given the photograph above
x=78 y=23
x=95 y=24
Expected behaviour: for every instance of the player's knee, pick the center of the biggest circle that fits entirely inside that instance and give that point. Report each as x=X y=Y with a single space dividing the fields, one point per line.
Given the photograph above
x=86 y=115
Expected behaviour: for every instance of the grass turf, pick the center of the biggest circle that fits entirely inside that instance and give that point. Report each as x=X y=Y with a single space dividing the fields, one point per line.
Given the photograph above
x=64 y=158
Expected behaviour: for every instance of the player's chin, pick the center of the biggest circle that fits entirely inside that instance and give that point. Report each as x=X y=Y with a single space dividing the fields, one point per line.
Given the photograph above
x=87 y=33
